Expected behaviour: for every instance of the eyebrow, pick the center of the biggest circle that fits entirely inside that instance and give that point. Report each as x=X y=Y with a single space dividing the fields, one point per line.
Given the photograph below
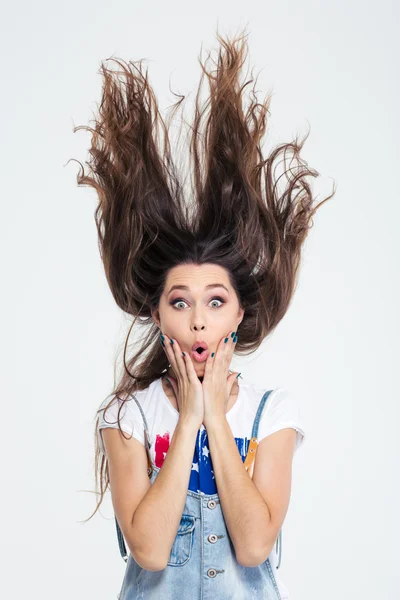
x=208 y=287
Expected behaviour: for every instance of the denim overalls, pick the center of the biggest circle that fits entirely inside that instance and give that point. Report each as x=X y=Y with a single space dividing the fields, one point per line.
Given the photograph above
x=202 y=564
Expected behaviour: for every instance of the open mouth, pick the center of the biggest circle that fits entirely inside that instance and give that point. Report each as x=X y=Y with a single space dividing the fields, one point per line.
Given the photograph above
x=200 y=354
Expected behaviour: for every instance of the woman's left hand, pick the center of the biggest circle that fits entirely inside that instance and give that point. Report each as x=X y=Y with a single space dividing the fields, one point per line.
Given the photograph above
x=217 y=382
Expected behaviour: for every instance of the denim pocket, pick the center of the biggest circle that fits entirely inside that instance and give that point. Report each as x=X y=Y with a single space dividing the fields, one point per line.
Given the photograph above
x=181 y=549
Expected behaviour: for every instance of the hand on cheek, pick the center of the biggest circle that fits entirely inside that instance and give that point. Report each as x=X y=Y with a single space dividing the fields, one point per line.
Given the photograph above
x=217 y=381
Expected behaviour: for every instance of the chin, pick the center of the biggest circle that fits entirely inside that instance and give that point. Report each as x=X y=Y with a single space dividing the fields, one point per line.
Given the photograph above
x=199 y=366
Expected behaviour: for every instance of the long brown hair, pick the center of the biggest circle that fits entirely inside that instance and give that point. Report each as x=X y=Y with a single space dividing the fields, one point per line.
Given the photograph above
x=234 y=215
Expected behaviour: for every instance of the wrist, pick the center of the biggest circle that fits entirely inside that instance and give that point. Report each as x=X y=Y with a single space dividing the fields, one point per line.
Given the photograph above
x=217 y=422
x=188 y=424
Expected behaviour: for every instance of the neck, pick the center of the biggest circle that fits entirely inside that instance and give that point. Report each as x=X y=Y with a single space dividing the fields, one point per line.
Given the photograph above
x=170 y=372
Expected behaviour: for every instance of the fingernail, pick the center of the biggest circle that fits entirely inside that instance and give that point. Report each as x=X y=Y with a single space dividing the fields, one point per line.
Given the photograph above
x=183 y=353
x=235 y=339
x=233 y=334
x=225 y=340
x=238 y=375
x=163 y=345
x=168 y=380
x=171 y=340
x=212 y=354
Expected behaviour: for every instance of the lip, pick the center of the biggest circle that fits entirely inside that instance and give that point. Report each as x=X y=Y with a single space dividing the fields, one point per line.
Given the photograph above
x=200 y=344
x=200 y=357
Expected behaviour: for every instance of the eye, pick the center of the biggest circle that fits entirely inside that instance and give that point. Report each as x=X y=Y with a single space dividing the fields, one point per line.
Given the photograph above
x=218 y=300
x=176 y=302
x=184 y=301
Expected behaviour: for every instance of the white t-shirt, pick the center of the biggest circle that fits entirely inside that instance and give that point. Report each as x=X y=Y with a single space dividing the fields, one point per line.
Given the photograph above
x=281 y=411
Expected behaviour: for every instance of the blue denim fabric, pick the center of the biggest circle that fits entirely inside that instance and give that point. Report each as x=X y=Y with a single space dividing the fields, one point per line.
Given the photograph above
x=202 y=564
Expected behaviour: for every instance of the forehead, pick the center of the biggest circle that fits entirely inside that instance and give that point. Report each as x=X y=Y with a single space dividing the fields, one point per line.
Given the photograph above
x=197 y=277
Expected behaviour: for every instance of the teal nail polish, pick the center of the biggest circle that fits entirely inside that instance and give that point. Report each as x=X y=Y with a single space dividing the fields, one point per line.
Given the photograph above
x=212 y=354
x=233 y=334
x=225 y=340
x=237 y=376
x=183 y=353
x=235 y=339
x=171 y=340
x=163 y=345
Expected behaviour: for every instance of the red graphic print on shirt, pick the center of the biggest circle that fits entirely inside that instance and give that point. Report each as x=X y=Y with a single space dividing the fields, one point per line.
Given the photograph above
x=161 y=448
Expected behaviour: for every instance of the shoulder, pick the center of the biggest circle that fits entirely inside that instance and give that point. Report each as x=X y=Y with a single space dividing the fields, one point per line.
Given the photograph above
x=125 y=413
x=281 y=410
x=126 y=409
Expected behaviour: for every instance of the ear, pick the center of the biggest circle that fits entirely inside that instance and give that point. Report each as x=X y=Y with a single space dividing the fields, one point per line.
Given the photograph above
x=156 y=316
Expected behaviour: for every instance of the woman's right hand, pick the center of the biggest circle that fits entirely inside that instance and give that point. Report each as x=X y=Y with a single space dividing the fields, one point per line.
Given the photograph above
x=187 y=386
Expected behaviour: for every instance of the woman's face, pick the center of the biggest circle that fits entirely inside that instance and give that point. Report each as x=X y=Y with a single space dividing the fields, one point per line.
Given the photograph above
x=194 y=310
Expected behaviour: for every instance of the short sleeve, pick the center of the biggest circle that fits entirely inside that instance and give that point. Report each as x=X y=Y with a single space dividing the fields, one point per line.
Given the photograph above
x=281 y=411
x=130 y=417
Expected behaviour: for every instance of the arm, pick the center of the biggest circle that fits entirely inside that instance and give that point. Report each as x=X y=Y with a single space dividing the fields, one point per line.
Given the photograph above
x=149 y=515
x=254 y=509
x=156 y=519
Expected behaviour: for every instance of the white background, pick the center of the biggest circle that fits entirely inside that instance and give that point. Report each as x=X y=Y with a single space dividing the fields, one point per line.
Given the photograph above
x=330 y=65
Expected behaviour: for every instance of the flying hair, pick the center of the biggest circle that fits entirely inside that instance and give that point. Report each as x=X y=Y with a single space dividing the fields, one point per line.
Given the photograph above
x=235 y=212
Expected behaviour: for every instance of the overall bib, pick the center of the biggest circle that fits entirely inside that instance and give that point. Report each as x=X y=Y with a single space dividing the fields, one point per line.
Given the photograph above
x=202 y=564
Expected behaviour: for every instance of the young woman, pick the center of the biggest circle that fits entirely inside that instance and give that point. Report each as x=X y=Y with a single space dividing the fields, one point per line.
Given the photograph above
x=198 y=461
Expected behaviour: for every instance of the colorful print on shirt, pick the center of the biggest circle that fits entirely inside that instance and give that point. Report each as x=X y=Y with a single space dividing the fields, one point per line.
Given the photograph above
x=202 y=478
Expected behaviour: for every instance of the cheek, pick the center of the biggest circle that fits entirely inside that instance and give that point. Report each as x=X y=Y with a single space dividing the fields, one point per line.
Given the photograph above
x=176 y=323
x=171 y=324
x=225 y=315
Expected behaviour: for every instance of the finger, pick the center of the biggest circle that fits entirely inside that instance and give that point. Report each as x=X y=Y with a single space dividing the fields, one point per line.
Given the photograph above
x=163 y=341
x=183 y=361
x=228 y=347
x=190 y=370
x=209 y=364
x=216 y=362
x=178 y=357
x=232 y=344
x=170 y=350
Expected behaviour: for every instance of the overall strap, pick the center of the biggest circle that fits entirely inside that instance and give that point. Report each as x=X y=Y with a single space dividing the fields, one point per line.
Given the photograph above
x=252 y=449
x=147 y=444
x=251 y=455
